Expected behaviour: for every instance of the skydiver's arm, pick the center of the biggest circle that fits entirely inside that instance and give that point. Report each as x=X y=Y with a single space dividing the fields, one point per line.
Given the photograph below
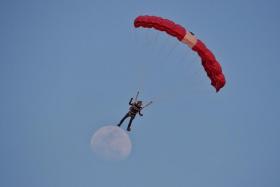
x=140 y=113
x=130 y=101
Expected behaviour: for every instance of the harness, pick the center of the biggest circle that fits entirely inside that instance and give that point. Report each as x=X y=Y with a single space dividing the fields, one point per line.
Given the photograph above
x=133 y=110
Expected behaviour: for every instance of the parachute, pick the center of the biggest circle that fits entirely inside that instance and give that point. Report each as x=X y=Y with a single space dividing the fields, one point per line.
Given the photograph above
x=209 y=62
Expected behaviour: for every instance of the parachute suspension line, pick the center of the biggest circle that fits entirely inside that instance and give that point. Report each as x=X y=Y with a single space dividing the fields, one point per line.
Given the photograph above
x=196 y=81
x=148 y=104
x=161 y=63
x=136 y=97
x=161 y=53
x=134 y=36
x=145 y=71
x=149 y=39
x=191 y=76
x=162 y=48
x=141 y=71
x=172 y=50
x=156 y=38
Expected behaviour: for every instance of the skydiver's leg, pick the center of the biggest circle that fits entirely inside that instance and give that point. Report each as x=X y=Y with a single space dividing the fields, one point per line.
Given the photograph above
x=130 y=122
x=122 y=120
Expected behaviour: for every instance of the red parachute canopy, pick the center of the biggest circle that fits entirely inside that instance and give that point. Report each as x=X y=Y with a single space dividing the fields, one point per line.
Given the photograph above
x=209 y=62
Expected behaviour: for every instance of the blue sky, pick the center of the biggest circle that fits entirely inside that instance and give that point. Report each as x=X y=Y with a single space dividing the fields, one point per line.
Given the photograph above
x=68 y=68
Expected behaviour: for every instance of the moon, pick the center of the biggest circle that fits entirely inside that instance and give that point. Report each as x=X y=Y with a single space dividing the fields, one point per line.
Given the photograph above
x=111 y=143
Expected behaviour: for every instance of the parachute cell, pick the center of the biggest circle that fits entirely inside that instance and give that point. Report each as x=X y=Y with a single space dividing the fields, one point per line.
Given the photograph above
x=209 y=62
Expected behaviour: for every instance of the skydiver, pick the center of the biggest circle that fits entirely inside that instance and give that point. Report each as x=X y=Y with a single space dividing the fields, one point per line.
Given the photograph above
x=134 y=109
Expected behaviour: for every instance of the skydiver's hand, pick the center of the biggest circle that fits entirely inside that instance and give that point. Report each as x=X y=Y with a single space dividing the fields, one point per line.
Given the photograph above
x=130 y=101
x=141 y=115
